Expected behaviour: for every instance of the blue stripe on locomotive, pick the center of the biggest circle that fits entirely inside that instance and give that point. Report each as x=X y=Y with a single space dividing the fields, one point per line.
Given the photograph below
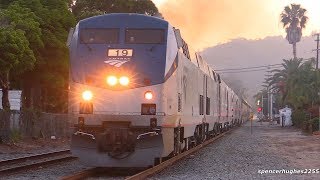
x=148 y=61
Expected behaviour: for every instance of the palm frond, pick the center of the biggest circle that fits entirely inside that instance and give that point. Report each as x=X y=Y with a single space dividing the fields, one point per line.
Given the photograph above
x=285 y=20
x=303 y=21
x=295 y=8
x=287 y=10
x=301 y=12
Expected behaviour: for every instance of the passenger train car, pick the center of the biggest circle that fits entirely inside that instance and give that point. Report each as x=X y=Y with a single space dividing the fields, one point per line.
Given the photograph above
x=139 y=95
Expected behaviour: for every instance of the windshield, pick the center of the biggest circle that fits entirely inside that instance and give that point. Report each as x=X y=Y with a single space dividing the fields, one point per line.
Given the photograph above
x=99 y=36
x=145 y=36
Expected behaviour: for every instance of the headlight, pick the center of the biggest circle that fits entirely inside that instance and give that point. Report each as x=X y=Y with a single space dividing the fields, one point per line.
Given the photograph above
x=112 y=80
x=124 y=81
x=148 y=95
x=87 y=95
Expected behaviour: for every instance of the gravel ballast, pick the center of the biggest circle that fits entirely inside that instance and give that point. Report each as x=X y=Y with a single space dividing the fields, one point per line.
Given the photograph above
x=237 y=155
x=240 y=155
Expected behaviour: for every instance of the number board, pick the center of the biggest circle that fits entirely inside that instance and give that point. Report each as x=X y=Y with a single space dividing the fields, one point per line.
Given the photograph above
x=120 y=52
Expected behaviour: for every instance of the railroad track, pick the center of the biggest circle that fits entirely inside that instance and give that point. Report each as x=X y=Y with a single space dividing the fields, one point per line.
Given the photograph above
x=169 y=162
x=15 y=165
x=148 y=172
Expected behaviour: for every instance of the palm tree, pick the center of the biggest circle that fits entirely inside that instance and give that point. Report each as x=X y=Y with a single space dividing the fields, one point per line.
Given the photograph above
x=294 y=20
x=284 y=79
x=296 y=82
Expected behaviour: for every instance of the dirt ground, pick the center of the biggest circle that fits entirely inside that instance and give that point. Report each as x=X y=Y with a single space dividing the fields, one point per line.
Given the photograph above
x=301 y=149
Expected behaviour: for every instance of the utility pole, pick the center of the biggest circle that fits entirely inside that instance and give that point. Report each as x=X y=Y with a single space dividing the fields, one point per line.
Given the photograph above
x=271 y=106
x=268 y=95
x=268 y=101
x=317 y=67
x=317 y=50
x=319 y=112
x=262 y=104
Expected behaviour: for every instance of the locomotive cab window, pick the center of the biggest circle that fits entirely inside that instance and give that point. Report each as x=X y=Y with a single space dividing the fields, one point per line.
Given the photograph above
x=145 y=36
x=99 y=36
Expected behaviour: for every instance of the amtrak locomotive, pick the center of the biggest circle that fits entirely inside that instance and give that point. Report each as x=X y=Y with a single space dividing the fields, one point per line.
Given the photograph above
x=139 y=95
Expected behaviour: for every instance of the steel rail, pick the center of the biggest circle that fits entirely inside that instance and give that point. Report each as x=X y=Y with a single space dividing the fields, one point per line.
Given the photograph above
x=82 y=174
x=33 y=157
x=37 y=161
x=169 y=162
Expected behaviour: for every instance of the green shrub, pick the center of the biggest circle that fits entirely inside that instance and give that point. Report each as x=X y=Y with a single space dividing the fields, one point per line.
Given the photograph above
x=15 y=135
x=298 y=118
x=315 y=124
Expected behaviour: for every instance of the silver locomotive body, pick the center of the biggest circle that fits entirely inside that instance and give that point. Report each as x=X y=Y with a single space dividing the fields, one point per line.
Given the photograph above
x=137 y=95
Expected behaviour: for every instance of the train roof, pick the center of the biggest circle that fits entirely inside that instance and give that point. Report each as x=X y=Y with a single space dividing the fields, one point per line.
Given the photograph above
x=116 y=20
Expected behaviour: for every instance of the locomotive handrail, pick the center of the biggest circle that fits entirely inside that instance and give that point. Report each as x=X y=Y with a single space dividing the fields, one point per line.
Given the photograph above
x=148 y=133
x=83 y=133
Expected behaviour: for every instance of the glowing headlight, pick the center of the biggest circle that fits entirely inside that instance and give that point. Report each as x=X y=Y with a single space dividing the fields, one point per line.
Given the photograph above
x=87 y=95
x=124 y=81
x=148 y=95
x=112 y=80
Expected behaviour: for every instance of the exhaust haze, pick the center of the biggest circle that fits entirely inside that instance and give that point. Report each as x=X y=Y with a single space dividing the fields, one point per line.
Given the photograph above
x=206 y=23
x=240 y=33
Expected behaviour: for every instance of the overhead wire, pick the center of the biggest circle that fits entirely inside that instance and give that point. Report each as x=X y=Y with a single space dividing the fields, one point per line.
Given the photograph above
x=252 y=70
x=253 y=67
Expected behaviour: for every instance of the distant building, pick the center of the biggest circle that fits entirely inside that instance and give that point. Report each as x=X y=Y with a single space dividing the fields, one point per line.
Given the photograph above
x=14 y=99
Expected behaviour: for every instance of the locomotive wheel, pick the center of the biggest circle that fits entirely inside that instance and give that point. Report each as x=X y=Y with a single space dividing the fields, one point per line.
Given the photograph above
x=185 y=145
x=216 y=129
x=197 y=135
x=202 y=133
x=192 y=142
x=220 y=128
x=177 y=141
x=158 y=161
x=226 y=127
x=206 y=131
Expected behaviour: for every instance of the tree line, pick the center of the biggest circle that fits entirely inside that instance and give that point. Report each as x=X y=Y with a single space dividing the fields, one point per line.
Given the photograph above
x=297 y=82
x=297 y=85
x=33 y=52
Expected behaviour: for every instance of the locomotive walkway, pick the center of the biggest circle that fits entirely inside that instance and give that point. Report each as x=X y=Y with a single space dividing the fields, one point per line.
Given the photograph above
x=242 y=155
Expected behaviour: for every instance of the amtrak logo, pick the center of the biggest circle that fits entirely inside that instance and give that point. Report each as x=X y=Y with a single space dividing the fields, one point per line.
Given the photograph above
x=116 y=63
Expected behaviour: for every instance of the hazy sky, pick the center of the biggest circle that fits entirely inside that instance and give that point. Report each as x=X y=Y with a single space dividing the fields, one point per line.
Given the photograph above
x=206 y=23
